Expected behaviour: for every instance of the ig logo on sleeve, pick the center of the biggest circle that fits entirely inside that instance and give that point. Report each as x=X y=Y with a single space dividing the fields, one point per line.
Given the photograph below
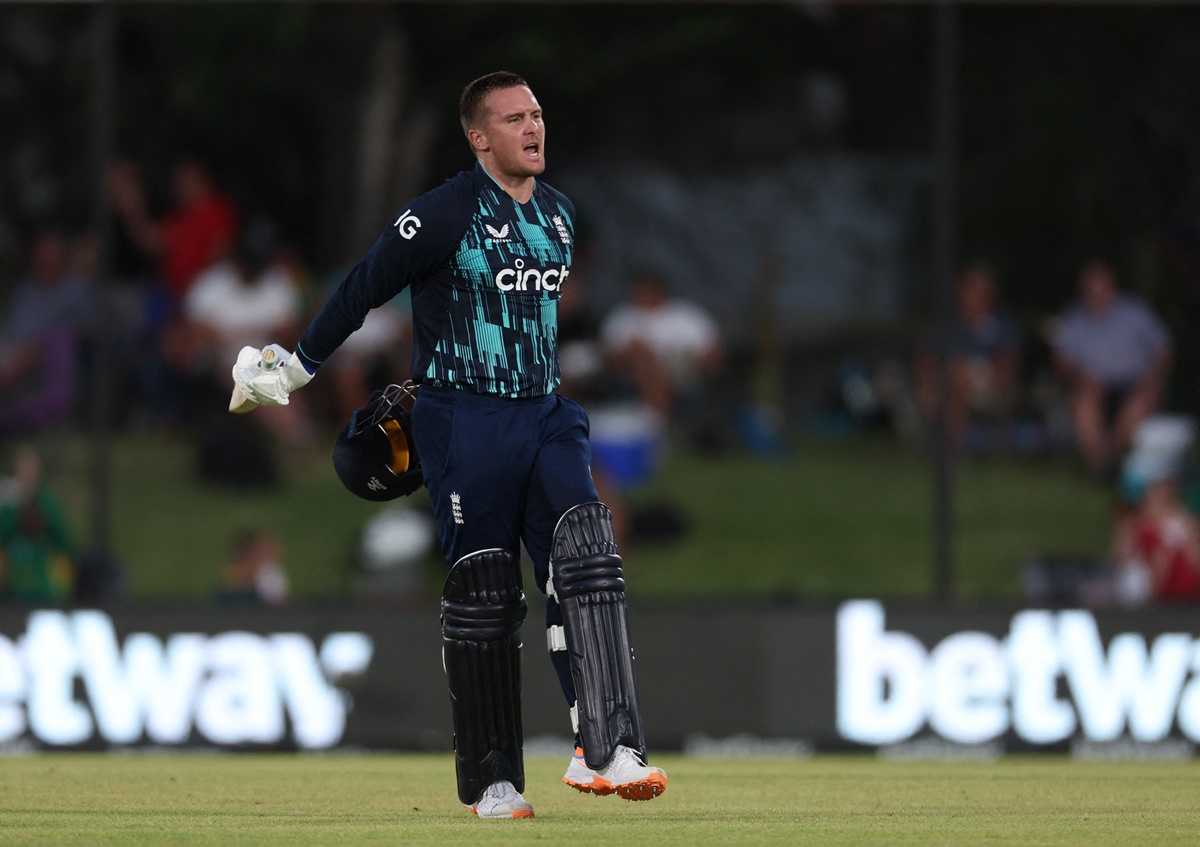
x=407 y=224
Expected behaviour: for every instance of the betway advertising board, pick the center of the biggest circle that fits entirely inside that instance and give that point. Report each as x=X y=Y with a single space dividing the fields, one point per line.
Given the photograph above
x=714 y=680
x=1049 y=678
x=67 y=680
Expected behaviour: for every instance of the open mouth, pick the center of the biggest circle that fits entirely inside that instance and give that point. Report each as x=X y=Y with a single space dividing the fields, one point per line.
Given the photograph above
x=533 y=150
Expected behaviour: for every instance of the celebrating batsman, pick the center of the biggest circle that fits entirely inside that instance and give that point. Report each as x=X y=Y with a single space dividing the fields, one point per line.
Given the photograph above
x=505 y=459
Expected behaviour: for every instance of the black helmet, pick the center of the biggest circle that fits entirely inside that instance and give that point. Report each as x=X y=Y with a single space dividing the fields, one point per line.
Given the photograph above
x=375 y=456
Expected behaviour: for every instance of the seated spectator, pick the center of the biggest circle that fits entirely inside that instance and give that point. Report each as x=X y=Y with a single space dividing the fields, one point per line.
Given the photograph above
x=251 y=299
x=1156 y=545
x=255 y=574
x=668 y=347
x=588 y=379
x=247 y=298
x=40 y=338
x=978 y=353
x=1115 y=354
x=36 y=551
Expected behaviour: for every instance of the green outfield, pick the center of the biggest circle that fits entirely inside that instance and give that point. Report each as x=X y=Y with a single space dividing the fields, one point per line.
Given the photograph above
x=232 y=799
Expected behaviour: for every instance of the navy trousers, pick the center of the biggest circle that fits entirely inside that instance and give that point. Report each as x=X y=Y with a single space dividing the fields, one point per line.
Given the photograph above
x=500 y=473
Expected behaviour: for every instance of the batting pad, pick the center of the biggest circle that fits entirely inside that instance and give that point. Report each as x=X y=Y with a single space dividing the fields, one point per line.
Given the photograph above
x=482 y=610
x=587 y=581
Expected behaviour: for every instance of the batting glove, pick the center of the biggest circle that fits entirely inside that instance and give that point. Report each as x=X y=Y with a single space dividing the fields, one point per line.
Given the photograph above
x=269 y=375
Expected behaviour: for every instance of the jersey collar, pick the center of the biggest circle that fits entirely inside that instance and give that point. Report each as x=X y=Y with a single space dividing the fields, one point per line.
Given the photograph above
x=479 y=166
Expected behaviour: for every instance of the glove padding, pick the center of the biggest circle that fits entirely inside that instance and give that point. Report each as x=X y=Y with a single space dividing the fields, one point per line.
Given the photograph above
x=267 y=376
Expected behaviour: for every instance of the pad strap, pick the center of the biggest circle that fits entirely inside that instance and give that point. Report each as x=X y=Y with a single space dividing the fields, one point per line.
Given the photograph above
x=587 y=580
x=482 y=610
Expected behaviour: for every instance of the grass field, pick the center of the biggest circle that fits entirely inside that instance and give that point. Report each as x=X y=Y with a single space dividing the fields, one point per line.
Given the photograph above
x=828 y=521
x=409 y=799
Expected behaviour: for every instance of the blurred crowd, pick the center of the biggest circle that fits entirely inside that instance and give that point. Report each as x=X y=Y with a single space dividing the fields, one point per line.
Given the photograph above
x=191 y=278
x=1108 y=356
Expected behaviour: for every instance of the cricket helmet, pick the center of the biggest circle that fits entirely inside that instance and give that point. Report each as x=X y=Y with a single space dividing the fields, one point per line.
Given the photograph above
x=375 y=456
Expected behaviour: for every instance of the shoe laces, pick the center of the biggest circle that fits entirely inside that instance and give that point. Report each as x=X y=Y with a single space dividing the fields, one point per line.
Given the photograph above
x=499 y=792
x=625 y=756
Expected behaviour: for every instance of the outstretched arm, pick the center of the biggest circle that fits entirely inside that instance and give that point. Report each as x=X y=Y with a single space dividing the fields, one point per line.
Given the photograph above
x=416 y=242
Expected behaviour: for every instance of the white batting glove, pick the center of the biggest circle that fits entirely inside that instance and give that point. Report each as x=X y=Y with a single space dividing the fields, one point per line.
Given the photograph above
x=266 y=377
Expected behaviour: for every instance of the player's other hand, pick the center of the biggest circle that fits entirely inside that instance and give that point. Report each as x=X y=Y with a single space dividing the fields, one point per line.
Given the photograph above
x=266 y=377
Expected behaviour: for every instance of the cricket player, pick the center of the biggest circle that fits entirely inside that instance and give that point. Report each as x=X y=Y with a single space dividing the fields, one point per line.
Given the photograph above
x=505 y=459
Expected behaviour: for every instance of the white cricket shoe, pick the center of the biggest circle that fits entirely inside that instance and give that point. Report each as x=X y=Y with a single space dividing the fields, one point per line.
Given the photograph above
x=626 y=776
x=501 y=800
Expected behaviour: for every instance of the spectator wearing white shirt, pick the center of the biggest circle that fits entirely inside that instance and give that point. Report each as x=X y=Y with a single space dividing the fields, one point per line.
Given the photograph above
x=668 y=347
x=238 y=309
x=1115 y=354
x=253 y=297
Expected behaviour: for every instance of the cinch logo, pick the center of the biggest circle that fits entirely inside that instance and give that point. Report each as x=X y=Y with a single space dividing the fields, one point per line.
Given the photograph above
x=520 y=278
x=68 y=681
x=407 y=224
x=1049 y=679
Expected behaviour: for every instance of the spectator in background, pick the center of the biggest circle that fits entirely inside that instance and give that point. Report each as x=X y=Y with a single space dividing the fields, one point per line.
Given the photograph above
x=668 y=347
x=588 y=379
x=1115 y=354
x=249 y=297
x=130 y=263
x=40 y=336
x=199 y=230
x=1156 y=546
x=255 y=574
x=36 y=551
x=978 y=353
x=135 y=303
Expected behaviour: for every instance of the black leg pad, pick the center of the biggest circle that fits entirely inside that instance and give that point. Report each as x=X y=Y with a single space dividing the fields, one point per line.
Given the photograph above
x=587 y=581
x=482 y=610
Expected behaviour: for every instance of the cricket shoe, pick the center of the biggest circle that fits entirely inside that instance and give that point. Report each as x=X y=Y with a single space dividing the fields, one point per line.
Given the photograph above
x=501 y=800
x=626 y=776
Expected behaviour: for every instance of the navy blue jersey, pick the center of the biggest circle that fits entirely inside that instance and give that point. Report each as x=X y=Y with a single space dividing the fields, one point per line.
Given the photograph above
x=486 y=273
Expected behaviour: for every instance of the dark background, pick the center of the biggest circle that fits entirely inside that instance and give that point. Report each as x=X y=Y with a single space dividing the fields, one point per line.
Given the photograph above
x=1079 y=125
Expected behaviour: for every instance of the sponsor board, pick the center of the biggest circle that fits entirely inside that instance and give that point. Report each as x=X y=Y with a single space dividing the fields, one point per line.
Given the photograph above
x=1051 y=678
x=68 y=681
x=746 y=680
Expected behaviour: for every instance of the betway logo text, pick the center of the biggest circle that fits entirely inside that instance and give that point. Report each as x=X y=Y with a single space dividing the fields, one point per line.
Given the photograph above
x=1048 y=680
x=229 y=688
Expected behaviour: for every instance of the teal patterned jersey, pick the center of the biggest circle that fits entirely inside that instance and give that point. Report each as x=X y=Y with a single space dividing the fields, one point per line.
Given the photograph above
x=485 y=274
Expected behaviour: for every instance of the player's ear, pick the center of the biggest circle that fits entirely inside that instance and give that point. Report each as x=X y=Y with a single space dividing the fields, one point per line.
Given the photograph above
x=478 y=140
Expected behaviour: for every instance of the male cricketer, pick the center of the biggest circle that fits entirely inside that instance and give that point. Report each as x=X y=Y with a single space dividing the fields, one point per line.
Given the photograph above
x=505 y=459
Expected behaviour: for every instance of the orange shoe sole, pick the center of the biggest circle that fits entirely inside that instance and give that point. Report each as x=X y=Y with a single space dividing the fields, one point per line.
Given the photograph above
x=599 y=786
x=648 y=789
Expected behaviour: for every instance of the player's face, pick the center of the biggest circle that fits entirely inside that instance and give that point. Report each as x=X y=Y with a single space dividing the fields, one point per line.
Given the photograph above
x=515 y=133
